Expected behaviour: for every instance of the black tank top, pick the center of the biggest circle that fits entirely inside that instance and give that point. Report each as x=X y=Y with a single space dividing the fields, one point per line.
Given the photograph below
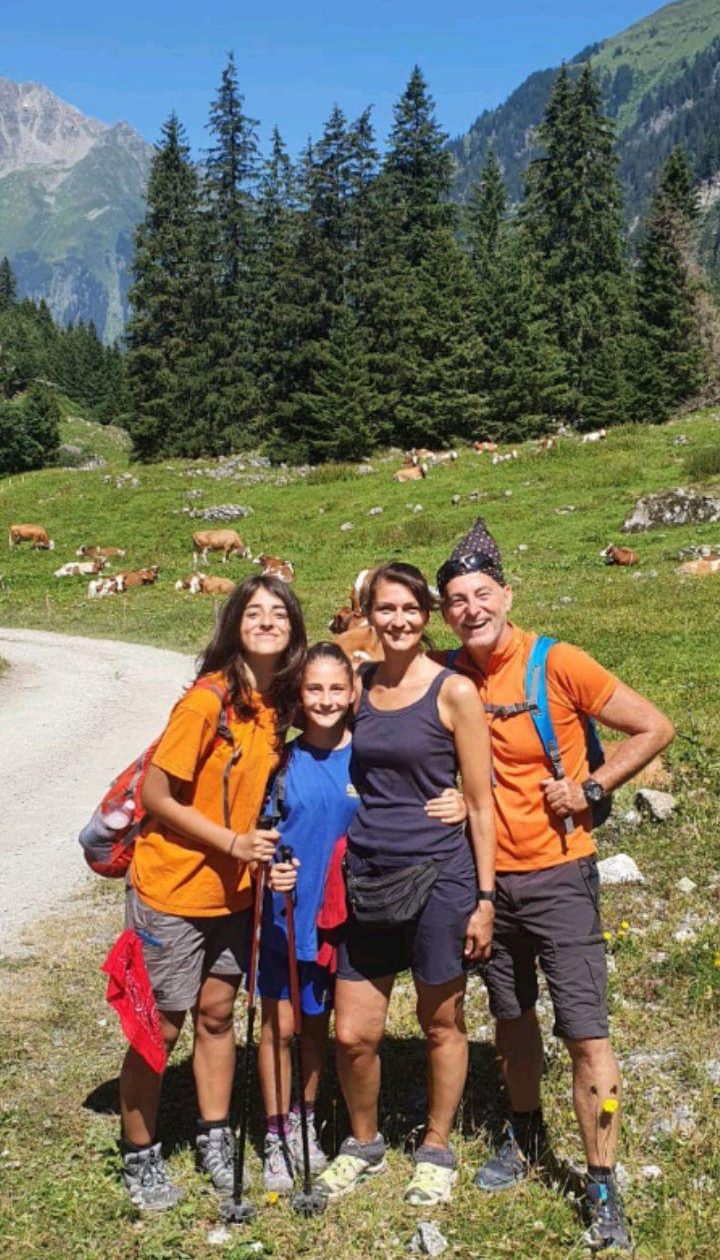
x=400 y=759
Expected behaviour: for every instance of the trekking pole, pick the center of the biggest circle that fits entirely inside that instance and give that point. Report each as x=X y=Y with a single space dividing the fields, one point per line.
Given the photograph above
x=238 y=1211
x=307 y=1202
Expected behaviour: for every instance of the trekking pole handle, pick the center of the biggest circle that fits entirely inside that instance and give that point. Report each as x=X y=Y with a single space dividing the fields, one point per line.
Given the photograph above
x=286 y=853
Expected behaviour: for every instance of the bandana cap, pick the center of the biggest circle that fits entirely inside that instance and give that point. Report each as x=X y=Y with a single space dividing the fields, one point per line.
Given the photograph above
x=477 y=552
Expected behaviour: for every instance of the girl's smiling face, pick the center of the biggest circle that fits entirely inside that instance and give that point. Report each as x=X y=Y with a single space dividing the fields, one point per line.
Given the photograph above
x=326 y=694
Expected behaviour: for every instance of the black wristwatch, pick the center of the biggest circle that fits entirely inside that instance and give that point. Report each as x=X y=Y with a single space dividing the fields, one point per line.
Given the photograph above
x=594 y=791
x=483 y=895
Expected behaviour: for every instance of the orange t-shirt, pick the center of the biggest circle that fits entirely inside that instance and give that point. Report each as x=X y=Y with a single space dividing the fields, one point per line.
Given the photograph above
x=177 y=875
x=529 y=836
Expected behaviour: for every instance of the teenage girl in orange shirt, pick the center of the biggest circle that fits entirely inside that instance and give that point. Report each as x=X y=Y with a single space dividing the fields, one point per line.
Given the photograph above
x=189 y=885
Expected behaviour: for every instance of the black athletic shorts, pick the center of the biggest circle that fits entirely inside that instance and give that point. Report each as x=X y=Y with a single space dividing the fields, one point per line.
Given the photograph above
x=551 y=916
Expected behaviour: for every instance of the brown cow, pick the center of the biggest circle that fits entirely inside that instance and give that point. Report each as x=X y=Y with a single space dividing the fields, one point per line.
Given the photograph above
x=226 y=540
x=273 y=566
x=360 y=644
x=34 y=534
x=201 y=584
x=699 y=568
x=619 y=555
x=483 y=448
x=97 y=552
x=137 y=577
x=416 y=473
x=547 y=444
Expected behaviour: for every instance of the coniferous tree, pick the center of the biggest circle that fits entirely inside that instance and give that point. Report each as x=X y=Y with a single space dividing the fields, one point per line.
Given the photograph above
x=162 y=329
x=226 y=294
x=339 y=407
x=572 y=214
x=29 y=432
x=8 y=286
x=523 y=367
x=668 y=361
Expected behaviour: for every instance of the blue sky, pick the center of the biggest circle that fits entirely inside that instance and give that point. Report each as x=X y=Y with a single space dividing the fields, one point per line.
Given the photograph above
x=140 y=59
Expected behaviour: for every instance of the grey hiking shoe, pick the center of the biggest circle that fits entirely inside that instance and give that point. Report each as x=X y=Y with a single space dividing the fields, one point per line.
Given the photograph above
x=278 y=1168
x=318 y=1158
x=506 y=1168
x=147 y=1182
x=215 y=1155
x=354 y=1163
x=607 y=1223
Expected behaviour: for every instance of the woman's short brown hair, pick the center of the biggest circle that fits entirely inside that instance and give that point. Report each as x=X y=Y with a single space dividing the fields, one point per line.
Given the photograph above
x=407 y=575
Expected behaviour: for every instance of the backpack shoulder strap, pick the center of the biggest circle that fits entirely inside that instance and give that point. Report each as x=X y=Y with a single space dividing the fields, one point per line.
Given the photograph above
x=539 y=709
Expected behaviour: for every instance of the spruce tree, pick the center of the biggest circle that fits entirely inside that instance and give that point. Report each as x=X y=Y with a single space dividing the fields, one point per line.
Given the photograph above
x=668 y=362
x=162 y=329
x=8 y=286
x=487 y=209
x=29 y=432
x=339 y=405
x=226 y=295
x=572 y=214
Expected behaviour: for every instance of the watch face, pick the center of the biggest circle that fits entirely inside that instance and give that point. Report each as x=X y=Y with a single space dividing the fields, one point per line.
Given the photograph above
x=593 y=791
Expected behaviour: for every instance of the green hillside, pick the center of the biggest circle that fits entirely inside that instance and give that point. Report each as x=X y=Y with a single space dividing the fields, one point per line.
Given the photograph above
x=60 y=1191
x=635 y=624
x=656 y=50
x=662 y=634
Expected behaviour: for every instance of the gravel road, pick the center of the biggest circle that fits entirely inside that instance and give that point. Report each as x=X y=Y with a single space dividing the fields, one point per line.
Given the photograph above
x=73 y=712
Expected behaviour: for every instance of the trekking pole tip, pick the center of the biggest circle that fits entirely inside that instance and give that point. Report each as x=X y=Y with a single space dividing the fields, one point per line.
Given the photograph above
x=309 y=1203
x=238 y=1213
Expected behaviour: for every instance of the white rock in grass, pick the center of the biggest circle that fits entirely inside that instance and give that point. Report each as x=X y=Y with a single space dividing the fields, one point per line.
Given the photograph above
x=376 y=511
x=712 y=1067
x=427 y=1240
x=686 y=885
x=651 y=1172
x=685 y=936
x=455 y=500
x=218 y=1237
x=620 y=869
x=622 y=1176
x=659 y=805
x=347 y=525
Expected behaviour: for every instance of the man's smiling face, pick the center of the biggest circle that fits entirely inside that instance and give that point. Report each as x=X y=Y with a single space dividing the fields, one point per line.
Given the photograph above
x=476 y=608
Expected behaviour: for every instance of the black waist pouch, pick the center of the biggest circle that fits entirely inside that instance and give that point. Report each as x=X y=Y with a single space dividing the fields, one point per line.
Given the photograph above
x=390 y=899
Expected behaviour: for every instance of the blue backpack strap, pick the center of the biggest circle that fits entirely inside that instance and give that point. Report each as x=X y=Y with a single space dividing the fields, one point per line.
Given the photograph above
x=451 y=658
x=536 y=696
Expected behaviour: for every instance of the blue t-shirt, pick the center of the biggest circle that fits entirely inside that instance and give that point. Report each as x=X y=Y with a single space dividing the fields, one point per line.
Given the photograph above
x=320 y=803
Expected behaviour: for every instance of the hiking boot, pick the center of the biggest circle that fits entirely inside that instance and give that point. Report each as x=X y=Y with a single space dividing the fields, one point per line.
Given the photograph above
x=278 y=1168
x=605 y=1214
x=505 y=1169
x=215 y=1155
x=431 y=1183
x=318 y=1158
x=354 y=1164
x=147 y=1182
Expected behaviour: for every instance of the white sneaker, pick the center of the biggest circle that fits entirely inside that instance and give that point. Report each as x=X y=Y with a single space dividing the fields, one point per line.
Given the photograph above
x=430 y=1184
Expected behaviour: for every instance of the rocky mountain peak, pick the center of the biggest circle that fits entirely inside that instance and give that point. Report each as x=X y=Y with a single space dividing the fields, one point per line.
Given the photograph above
x=39 y=129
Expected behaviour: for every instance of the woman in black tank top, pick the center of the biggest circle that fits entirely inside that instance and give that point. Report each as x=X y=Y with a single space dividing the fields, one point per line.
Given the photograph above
x=416 y=726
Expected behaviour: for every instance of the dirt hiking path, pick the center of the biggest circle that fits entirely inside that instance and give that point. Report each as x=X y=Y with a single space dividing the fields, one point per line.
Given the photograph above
x=73 y=712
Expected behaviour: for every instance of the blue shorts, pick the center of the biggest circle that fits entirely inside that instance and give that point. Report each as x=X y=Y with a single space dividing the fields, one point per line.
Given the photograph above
x=317 y=984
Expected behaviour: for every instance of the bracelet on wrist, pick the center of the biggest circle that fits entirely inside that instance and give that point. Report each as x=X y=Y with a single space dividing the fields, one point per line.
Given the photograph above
x=486 y=895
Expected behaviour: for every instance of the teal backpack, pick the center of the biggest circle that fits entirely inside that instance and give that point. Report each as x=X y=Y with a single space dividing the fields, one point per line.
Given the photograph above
x=536 y=704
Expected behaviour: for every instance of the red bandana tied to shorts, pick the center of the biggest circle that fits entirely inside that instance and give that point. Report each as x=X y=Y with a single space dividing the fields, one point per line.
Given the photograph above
x=130 y=993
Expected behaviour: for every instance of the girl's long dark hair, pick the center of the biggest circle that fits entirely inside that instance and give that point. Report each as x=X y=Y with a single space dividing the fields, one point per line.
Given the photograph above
x=224 y=652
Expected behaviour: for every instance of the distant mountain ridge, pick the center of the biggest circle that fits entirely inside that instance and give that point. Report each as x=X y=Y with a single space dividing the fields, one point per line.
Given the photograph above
x=661 y=84
x=71 y=193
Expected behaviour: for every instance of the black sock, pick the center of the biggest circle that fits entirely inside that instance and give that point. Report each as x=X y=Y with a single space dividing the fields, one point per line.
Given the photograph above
x=529 y=1132
x=132 y=1148
x=600 y=1173
x=204 y=1126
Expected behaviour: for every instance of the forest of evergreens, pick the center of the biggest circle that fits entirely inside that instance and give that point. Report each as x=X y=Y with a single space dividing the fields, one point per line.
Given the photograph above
x=327 y=306
x=324 y=307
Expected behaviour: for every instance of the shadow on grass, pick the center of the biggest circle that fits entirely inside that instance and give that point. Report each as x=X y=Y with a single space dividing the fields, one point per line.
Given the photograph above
x=403 y=1099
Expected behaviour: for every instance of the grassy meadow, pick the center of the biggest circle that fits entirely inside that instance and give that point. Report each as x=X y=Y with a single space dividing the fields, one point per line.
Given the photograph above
x=60 y=1046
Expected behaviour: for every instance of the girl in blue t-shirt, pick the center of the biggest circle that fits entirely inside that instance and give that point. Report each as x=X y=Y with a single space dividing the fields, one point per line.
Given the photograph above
x=320 y=803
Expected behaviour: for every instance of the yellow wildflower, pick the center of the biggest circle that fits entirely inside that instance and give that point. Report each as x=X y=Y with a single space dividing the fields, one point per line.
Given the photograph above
x=625 y=925
x=272 y=1196
x=716 y=962
x=607 y=936
x=610 y=1106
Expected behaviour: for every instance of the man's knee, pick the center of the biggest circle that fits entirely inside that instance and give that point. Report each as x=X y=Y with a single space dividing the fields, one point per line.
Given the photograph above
x=355 y=1039
x=589 y=1052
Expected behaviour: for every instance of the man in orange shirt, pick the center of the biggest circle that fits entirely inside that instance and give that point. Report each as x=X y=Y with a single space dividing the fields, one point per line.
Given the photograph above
x=547 y=886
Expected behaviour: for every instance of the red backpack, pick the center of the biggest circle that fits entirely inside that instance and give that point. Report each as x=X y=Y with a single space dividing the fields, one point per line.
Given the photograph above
x=108 y=839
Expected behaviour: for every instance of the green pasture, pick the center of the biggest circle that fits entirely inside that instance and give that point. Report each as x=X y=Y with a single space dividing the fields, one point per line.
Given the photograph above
x=60 y=1047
